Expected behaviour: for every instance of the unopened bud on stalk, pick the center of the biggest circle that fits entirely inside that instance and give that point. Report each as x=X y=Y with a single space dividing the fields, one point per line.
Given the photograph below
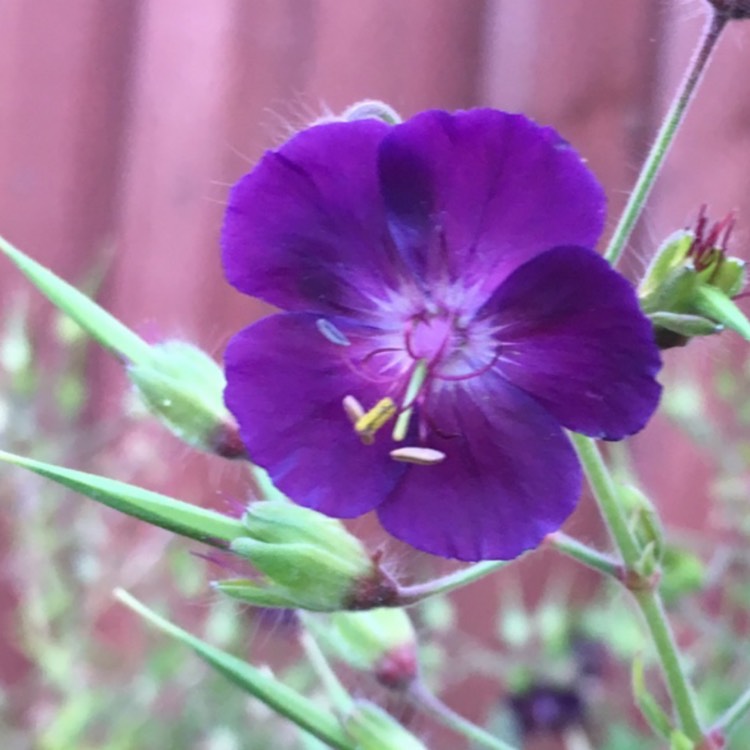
x=183 y=387
x=309 y=562
x=643 y=518
x=371 y=108
x=689 y=287
x=364 y=110
x=178 y=382
x=380 y=641
x=372 y=728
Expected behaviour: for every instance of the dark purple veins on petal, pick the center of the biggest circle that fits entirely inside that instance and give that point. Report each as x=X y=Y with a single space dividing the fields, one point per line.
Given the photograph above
x=572 y=336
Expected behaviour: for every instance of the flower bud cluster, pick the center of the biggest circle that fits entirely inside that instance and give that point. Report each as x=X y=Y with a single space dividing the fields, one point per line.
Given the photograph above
x=308 y=561
x=689 y=287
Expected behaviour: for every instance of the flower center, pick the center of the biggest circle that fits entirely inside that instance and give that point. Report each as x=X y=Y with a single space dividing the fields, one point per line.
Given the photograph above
x=429 y=337
x=435 y=345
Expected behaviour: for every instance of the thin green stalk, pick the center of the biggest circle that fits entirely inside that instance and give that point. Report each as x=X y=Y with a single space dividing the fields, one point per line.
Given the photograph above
x=665 y=137
x=588 y=556
x=409 y=595
x=733 y=715
x=648 y=599
x=605 y=493
x=340 y=698
x=432 y=705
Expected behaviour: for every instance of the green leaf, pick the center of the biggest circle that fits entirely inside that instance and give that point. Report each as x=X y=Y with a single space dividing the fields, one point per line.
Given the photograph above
x=182 y=518
x=258 y=683
x=95 y=320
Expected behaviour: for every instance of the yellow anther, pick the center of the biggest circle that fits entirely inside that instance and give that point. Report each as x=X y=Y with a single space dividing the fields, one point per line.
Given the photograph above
x=370 y=422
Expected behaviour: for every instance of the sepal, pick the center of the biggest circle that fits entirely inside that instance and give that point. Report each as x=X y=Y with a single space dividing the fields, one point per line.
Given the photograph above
x=309 y=561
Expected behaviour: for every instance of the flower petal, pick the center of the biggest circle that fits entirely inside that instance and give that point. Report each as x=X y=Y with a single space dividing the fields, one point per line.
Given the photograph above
x=573 y=337
x=510 y=476
x=478 y=193
x=285 y=385
x=305 y=230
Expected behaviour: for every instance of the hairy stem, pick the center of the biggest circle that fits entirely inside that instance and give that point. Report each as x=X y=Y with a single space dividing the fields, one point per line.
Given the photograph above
x=665 y=137
x=588 y=556
x=408 y=595
x=648 y=599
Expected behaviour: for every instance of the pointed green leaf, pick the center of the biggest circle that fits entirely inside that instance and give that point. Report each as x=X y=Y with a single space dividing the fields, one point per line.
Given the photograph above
x=182 y=518
x=256 y=682
x=95 y=320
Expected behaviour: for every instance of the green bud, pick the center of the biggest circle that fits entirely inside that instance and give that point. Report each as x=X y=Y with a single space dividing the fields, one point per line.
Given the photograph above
x=669 y=260
x=183 y=387
x=371 y=108
x=379 y=641
x=281 y=522
x=687 y=290
x=646 y=566
x=309 y=562
x=683 y=573
x=644 y=521
x=372 y=728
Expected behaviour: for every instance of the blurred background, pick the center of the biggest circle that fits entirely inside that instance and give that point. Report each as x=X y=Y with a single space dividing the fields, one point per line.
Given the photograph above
x=122 y=126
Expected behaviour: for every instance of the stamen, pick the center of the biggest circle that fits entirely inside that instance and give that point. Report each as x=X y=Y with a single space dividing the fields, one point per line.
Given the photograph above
x=354 y=410
x=417 y=380
x=418 y=455
x=370 y=422
x=333 y=334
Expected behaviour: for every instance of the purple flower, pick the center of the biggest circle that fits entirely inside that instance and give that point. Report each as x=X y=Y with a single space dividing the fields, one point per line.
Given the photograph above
x=439 y=273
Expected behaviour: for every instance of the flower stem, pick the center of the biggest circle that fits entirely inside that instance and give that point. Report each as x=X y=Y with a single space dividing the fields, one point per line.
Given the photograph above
x=648 y=599
x=409 y=595
x=733 y=715
x=432 y=705
x=591 y=558
x=340 y=698
x=665 y=137
x=605 y=494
